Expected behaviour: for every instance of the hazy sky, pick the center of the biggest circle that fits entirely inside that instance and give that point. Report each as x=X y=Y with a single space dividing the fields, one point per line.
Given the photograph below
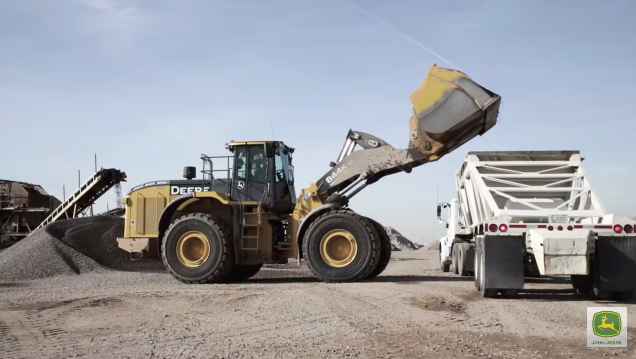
x=150 y=85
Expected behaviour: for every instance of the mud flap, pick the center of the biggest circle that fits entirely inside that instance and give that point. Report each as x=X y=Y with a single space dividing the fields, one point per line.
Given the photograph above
x=503 y=259
x=616 y=263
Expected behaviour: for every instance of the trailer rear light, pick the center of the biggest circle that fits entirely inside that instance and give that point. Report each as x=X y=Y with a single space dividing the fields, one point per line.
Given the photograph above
x=485 y=227
x=629 y=228
x=503 y=227
x=570 y=228
x=603 y=227
x=560 y=228
x=492 y=228
x=541 y=226
x=550 y=228
x=520 y=226
x=578 y=226
x=618 y=228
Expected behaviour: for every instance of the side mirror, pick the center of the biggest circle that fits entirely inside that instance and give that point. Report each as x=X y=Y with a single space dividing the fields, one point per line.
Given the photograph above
x=446 y=225
x=439 y=211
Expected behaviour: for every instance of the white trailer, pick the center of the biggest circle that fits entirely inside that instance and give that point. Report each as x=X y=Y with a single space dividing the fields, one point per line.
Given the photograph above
x=535 y=213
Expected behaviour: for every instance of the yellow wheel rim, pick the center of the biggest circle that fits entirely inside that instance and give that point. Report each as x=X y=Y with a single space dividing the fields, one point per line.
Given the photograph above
x=338 y=248
x=193 y=249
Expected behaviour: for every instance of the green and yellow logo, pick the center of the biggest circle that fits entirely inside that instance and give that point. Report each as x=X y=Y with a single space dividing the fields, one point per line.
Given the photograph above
x=606 y=324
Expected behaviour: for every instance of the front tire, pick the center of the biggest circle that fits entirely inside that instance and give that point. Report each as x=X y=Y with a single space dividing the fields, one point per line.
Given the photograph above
x=198 y=249
x=341 y=246
x=385 y=249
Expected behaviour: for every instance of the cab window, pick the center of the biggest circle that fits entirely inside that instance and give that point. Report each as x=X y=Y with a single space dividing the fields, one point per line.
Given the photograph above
x=258 y=170
x=280 y=170
x=241 y=163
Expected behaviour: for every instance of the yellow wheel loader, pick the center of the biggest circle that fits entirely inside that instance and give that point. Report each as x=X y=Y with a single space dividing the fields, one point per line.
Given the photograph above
x=225 y=226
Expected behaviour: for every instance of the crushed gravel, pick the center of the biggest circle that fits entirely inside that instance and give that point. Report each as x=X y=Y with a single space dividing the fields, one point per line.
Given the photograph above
x=70 y=247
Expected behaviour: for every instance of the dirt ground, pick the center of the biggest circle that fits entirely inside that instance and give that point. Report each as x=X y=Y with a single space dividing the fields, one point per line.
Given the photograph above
x=411 y=311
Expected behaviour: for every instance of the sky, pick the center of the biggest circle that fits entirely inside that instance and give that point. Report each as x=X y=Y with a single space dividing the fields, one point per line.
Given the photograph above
x=150 y=85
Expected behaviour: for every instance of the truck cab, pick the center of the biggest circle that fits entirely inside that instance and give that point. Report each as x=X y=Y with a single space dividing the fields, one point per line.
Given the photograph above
x=263 y=172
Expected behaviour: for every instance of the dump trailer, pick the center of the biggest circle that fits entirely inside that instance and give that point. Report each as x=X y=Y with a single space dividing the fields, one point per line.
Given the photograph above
x=23 y=206
x=244 y=212
x=535 y=213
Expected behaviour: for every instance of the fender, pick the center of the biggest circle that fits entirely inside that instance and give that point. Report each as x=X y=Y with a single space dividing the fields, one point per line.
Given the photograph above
x=166 y=214
x=308 y=219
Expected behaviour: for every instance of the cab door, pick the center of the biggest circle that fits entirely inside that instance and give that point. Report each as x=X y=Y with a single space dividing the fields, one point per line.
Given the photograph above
x=250 y=173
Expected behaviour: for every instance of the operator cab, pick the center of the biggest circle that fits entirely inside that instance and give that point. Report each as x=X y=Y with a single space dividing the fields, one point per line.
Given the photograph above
x=263 y=172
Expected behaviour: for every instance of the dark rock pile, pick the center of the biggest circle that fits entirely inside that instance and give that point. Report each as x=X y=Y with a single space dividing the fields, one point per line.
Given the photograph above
x=70 y=247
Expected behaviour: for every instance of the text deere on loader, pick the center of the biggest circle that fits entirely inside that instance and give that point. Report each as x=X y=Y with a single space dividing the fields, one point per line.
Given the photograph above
x=216 y=230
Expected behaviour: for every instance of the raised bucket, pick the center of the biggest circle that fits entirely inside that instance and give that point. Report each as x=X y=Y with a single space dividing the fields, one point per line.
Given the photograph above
x=449 y=109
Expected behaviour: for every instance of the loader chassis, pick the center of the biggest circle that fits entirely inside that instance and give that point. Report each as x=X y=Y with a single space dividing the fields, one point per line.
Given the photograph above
x=531 y=214
x=227 y=225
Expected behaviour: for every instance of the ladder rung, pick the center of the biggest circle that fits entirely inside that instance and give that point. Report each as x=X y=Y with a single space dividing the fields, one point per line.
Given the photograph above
x=250 y=236
x=250 y=225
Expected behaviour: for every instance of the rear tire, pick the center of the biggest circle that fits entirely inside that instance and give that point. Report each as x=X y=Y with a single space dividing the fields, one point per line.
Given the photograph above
x=244 y=272
x=360 y=239
x=385 y=249
x=209 y=232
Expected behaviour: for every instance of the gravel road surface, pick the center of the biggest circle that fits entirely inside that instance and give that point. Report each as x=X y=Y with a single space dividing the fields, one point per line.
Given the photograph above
x=411 y=311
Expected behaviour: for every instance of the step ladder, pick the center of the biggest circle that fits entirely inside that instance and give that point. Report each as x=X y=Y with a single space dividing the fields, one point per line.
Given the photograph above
x=86 y=195
x=249 y=240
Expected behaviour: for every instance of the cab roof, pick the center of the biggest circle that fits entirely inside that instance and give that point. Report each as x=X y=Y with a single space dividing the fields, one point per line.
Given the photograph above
x=242 y=143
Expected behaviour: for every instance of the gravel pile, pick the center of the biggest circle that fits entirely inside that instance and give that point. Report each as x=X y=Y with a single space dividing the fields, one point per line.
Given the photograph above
x=432 y=246
x=70 y=247
x=399 y=241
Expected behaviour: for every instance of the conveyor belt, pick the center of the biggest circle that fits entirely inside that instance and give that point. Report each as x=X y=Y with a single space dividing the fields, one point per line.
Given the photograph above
x=98 y=184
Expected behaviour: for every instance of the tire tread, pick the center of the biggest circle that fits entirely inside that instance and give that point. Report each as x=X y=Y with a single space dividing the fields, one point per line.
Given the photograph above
x=375 y=245
x=227 y=262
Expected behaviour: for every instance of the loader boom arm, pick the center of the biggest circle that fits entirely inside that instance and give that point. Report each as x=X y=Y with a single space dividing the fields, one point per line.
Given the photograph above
x=449 y=109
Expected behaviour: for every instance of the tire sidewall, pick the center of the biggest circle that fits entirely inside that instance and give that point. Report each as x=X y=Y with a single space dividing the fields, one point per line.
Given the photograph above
x=364 y=241
x=217 y=248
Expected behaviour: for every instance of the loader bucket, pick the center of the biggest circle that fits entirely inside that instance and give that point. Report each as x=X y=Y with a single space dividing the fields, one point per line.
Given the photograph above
x=449 y=109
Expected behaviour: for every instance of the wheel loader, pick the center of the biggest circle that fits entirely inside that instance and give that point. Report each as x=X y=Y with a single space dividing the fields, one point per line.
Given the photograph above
x=225 y=226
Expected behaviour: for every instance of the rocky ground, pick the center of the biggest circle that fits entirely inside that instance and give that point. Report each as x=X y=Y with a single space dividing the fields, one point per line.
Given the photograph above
x=412 y=310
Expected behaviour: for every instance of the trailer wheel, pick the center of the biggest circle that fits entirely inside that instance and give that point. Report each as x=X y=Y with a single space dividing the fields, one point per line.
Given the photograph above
x=385 y=248
x=196 y=249
x=454 y=259
x=477 y=270
x=461 y=259
x=341 y=246
x=485 y=292
x=244 y=272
